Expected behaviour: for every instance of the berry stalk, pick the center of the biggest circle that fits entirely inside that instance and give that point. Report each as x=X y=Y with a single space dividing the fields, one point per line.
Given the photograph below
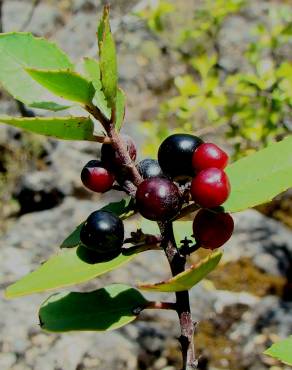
x=177 y=264
x=119 y=146
x=117 y=143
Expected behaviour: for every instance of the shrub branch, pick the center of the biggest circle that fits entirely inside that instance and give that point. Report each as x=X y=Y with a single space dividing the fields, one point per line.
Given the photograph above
x=176 y=260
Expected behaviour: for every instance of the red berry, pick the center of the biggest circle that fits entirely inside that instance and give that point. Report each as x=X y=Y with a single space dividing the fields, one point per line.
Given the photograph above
x=158 y=199
x=210 y=188
x=111 y=158
x=209 y=155
x=212 y=230
x=96 y=177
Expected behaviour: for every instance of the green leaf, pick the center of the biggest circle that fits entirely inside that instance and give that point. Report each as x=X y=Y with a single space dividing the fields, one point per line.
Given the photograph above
x=21 y=50
x=68 y=267
x=66 y=128
x=120 y=109
x=186 y=279
x=108 y=59
x=281 y=350
x=92 y=70
x=258 y=178
x=73 y=240
x=55 y=107
x=66 y=84
x=104 y=309
x=123 y=209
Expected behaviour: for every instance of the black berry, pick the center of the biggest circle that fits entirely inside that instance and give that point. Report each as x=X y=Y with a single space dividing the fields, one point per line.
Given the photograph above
x=175 y=154
x=103 y=232
x=158 y=199
x=149 y=168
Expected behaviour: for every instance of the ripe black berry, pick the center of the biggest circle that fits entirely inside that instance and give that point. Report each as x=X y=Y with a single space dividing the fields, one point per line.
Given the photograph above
x=209 y=155
x=158 y=199
x=210 y=188
x=103 y=232
x=96 y=177
x=175 y=154
x=212 y=230
x=149 y=168
x=111 y=158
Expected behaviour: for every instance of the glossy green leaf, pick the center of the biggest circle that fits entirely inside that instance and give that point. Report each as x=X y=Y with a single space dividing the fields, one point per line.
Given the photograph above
x=120 y=109
x=73 y=240
x=281 y=350
x=123 y=209
x=68 y=267
x=107 y=59
x=66 y=128
x=66 y=84
x=258 y=178
x=21 y=50
x=92 y=70
x=101 y=310
x=186 y=279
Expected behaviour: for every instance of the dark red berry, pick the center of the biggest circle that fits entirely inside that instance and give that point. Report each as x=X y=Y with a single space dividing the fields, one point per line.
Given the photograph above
x=111 y=158
x=210 y=188
x=96 y=177
x=103 y=232
x=212 y=230
x=158 y=199
x=175 y=154
x=149 y=168
x=209 y=155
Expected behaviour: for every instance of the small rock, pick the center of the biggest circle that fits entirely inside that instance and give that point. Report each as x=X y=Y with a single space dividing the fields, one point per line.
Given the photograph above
x=266 y=241
x=7 y=360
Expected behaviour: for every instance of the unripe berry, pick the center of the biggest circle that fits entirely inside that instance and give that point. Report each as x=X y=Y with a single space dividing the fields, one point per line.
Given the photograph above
x=210 y=188
x=96 y=177
x=175 y=154
x=209 y=155
x=158 y=199
x=149 y=168
x=111 y=158
x=103 y=232
x=212 y=230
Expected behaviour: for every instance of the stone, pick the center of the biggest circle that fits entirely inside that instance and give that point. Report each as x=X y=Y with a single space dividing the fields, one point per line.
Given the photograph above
x=17 y=16
x=7 y=360
x=266 y=241
x=78 y=35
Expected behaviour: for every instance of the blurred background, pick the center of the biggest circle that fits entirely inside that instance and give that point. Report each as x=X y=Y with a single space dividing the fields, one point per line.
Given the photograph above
x=221 y=69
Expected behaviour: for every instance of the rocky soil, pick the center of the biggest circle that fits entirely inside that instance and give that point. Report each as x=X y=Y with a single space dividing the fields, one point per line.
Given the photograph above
x=241 y=309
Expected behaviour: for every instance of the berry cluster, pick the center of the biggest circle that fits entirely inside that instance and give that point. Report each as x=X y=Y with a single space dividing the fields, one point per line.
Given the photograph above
x=183 y=156
x=186 y=168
